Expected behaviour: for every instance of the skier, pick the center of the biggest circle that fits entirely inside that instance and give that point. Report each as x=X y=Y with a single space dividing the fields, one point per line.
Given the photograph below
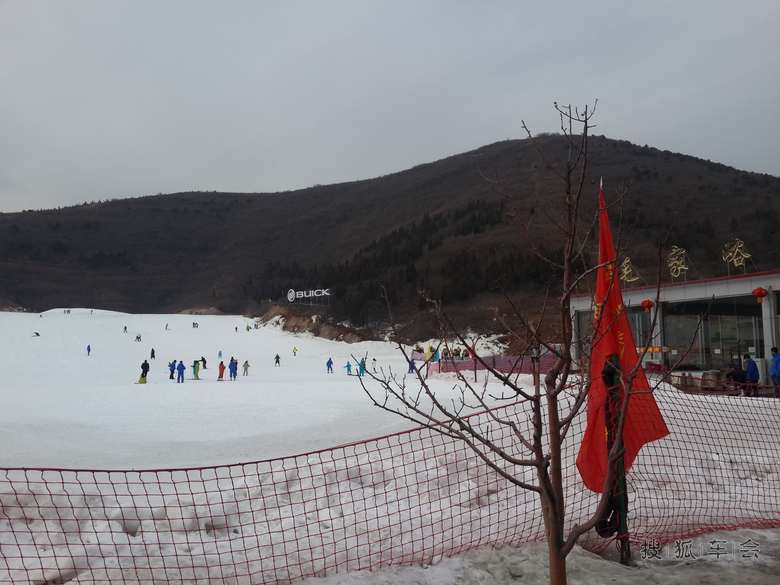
x=295 y=351
x=89 y=349
x=125 y=331
x=330 y=365
x=362 y=367
x=204 y=361
x=152 y=354
x=221 y=372
x=246 y=368
x=172 y=368
x=220 y=354
x=277 y=360
x=411 y=366
x=233 y=369
x=195 y=369
x=373 y=364
x=144 y=372
x=180 y=371
x=349 y=369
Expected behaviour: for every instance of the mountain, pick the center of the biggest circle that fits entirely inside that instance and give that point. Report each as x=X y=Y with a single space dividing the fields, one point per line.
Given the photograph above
x=441 y=226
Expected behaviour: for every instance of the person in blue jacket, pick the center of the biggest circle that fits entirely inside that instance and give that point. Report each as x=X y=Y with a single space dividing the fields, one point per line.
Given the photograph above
x=774 y=371
x=172 y=368
x=329 y=363
x=180 y=369
x=751 y=377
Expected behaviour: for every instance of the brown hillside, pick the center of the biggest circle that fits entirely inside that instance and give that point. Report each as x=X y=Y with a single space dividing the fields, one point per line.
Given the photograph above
x=233 y=251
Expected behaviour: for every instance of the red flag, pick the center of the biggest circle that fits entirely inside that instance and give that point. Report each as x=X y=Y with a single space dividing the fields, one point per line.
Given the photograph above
x=613 y=336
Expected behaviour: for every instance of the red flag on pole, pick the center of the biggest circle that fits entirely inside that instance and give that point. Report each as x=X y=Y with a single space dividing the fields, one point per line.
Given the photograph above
x=613 y=336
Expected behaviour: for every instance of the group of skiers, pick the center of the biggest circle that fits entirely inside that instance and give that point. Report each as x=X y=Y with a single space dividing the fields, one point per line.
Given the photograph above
x=177 y=369
x=232 y=368
x=361 y=366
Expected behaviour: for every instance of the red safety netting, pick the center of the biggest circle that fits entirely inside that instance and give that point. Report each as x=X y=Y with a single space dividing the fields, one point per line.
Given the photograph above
x=412 y=497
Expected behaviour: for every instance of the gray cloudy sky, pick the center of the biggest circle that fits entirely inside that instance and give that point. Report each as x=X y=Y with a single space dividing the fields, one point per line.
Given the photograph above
x=111 y=99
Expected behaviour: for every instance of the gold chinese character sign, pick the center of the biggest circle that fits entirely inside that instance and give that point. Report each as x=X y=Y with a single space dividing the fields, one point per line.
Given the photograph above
x=735 y=253
x=627 y=272
x=676 y=261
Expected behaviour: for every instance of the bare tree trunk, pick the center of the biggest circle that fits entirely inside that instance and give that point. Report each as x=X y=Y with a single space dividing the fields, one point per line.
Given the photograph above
x=557 y=564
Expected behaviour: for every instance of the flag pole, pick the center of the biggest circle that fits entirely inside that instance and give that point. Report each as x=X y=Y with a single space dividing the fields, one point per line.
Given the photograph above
x=611 y=375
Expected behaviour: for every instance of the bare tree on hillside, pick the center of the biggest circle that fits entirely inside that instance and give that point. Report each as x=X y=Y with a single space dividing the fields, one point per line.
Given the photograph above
x=558 y=395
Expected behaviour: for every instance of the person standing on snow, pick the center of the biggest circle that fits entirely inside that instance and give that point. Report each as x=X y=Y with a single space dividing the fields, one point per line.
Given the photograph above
x=233 y=367
x=330 y=365
x=144 y=372
x=349 y=368
x=89 y=349
x=221 y=372
x=172 y=368
x=180 y=371
x=774 y=370
x=246 y=368
x=277 y=360
x=195 y=369
x=752 y=376
x=151 y=358
x=295 y=351
x=362 y=367
x=202 y=359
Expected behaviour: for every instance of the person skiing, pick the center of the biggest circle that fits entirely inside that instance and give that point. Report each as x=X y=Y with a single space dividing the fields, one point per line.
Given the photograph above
x=246 y=368
x=89 y=350
x=373 y=364
x=233 y=367
x=362 y=367
x=295 y=351
x=349 y=368
x=195 y=369
x=411 y=366
x=277 y=361
x=144 y=372
x=202 y=359
x=172 y=368
x=220 y=354
x=330 y=365
x=221 y=372
x=152 y=354
x=180 y=371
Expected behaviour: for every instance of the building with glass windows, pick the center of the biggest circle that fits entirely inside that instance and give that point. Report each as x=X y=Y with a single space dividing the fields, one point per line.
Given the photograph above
x=702 y=325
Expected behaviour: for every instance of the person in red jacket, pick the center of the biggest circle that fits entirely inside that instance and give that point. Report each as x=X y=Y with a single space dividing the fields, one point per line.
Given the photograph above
x=221 y=372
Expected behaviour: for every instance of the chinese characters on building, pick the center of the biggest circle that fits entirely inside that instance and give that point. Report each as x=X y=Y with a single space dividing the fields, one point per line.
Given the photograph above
x=676 y=261
x=735 y=253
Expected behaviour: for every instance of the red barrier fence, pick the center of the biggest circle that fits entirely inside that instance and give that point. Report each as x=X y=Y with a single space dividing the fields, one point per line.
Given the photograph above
x=412 y=497
x=506 y=364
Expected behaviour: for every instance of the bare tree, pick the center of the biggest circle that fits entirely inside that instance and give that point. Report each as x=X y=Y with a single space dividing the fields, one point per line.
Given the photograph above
x=558 y=394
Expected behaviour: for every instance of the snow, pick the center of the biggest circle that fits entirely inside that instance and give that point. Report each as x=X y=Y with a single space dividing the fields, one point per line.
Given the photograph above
x=65 y=409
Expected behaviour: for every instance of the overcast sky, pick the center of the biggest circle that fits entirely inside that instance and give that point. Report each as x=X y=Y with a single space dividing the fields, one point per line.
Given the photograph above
x=113 y=99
